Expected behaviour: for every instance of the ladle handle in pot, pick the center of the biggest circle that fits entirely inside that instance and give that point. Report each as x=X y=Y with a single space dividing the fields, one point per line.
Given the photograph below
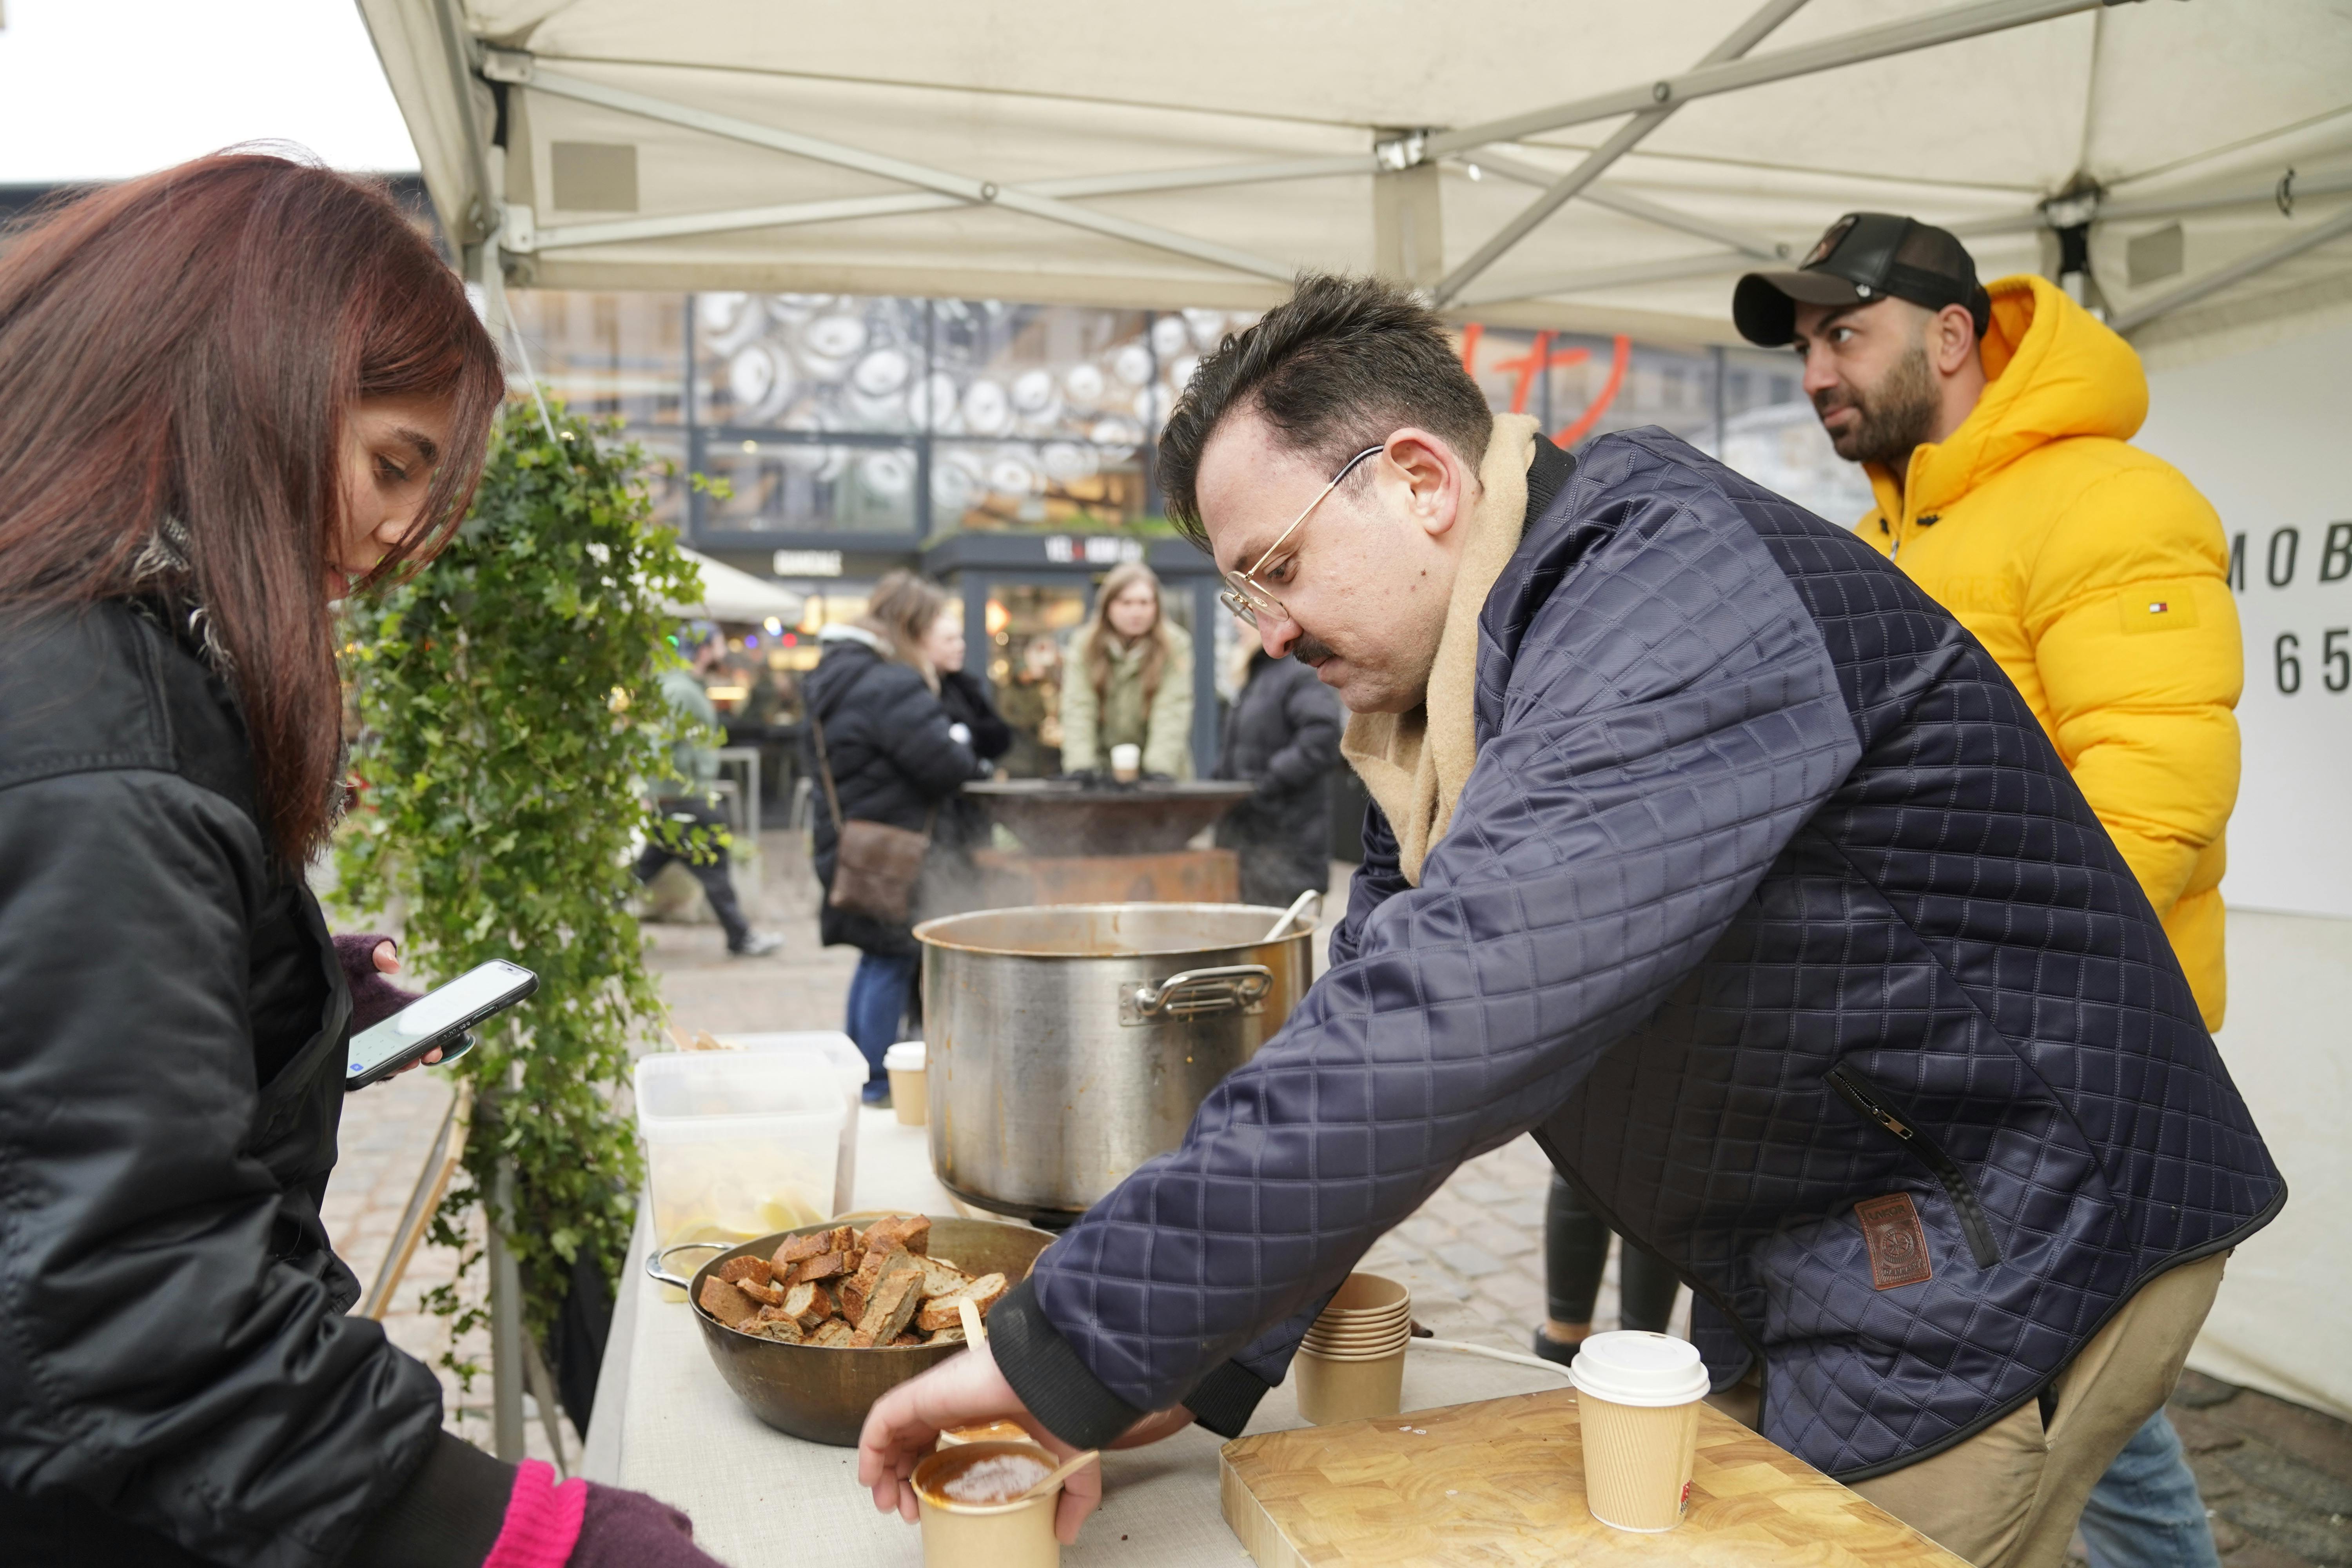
x=659 y=1256
x=1242 y=986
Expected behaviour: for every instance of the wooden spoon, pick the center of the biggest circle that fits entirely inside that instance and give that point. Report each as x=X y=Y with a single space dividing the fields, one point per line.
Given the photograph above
x=975 y=1332
x=1068 y=1467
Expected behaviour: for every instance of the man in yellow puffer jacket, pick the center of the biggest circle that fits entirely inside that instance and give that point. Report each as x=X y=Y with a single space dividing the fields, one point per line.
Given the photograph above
x=2094 y=572
x=1993 y=424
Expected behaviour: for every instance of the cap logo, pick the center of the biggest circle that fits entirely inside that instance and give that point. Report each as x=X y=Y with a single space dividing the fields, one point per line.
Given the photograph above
x=1828 y=241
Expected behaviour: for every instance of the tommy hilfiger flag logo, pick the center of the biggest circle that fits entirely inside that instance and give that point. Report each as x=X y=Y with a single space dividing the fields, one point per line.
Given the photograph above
x=2158 y=606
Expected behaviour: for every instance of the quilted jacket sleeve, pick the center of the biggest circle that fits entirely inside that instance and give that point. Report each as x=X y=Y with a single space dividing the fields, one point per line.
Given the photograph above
x=2142 y=696
x=1635 y=792
x=155 y=1357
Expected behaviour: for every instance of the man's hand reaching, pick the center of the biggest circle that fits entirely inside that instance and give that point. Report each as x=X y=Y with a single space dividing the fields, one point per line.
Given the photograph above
x=905 y=1425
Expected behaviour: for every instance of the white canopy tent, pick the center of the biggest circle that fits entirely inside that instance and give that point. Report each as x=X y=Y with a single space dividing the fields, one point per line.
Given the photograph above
x=729 y=594
x=1587 y=164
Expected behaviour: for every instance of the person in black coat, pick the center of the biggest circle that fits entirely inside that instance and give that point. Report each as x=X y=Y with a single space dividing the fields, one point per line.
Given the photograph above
x=893 y=757
x=963 y=823
x=181 y=499
x=1282 y=734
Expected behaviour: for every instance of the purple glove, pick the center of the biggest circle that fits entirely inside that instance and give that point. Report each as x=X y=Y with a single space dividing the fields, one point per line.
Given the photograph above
x=630 y=1529
x=374 y=997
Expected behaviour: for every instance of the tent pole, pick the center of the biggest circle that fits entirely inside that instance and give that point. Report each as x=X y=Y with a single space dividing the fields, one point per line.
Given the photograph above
x=1628 y=136
x=979 y=192
x=1665 y=270
x=1603 y=194
x=1729 y=76
x=479 y=217
x=2243 y=268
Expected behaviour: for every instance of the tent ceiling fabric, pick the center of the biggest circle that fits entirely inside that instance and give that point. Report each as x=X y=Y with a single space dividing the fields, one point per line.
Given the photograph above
x=729 y=594
x=949 y=153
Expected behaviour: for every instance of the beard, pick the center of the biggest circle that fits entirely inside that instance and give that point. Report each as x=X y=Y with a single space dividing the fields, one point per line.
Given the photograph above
x=1892 y=417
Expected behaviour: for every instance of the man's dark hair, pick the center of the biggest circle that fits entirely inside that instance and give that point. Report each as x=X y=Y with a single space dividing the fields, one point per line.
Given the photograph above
x=1332 y=370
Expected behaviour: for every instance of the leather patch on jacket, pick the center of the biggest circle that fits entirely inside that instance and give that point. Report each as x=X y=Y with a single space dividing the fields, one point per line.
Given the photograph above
x=1899 y=1248
x=2157 y=606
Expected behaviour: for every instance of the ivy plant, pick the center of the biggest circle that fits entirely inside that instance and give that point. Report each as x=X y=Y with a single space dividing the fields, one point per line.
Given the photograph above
x=509 y=708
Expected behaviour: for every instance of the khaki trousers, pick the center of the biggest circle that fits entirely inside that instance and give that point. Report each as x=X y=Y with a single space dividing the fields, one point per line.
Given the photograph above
x=2009 y=1496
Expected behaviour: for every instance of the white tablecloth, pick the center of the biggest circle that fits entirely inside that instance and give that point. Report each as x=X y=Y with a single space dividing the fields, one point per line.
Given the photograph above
x=666 y=1423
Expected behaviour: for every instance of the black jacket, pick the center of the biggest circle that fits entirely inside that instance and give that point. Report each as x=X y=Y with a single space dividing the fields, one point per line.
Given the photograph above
x=964 y=825
x=1766 y=897
x=174 y=1358
x=893 y=761
x=1282 y=734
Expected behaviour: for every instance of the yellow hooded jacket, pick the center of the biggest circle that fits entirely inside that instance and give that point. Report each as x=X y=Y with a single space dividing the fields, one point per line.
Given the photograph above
x=2098 y=578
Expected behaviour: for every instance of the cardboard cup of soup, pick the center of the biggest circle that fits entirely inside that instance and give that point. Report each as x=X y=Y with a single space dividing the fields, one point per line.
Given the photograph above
x=973 y=1512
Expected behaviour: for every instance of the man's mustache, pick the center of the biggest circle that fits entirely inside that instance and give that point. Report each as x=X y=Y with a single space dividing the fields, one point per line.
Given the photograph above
x=1311 y=650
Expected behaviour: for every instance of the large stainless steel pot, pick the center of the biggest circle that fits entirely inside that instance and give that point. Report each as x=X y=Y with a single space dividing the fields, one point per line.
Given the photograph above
x=1068 y=1044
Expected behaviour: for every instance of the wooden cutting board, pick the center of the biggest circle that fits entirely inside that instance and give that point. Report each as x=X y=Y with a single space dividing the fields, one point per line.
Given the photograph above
x=1502 y=1482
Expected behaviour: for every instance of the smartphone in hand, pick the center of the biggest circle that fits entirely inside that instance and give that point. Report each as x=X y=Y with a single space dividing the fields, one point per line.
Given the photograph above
x=439 y=1019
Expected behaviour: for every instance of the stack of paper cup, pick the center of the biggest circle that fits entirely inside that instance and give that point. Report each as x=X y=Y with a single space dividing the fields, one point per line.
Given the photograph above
x=1637 y=1397
x=910 y=1096
x=1351 y=1363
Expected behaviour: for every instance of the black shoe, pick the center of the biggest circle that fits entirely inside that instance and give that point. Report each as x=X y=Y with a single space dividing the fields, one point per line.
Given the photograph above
x=1551 y=1349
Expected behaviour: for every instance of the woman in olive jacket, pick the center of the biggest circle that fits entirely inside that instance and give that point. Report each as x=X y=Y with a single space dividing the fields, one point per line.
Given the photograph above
x=230 y=394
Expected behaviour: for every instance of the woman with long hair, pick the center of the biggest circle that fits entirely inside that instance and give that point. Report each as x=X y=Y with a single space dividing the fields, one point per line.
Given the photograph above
x=1129 y=681
x=230 y=394
x=876 y=727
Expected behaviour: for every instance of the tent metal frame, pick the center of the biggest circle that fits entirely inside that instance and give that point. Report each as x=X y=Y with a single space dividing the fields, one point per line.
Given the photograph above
x=500 y=226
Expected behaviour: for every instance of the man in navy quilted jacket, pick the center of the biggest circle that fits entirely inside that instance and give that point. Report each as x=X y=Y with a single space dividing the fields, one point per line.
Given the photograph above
x=1711 y=851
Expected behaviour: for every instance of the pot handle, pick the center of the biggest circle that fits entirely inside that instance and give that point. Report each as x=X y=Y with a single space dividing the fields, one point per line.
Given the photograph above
x=658 y=1258
x=1235 y=987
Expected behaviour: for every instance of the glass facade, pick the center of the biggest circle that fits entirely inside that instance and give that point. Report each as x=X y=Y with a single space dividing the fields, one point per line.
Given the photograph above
x=883 y=423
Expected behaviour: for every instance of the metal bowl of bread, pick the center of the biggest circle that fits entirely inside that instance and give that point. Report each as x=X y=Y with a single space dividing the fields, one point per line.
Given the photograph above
x=811 y=1326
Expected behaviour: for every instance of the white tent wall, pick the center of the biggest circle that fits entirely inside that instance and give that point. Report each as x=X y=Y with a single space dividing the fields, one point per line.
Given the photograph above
x=1050 y=106
x=2263 y=434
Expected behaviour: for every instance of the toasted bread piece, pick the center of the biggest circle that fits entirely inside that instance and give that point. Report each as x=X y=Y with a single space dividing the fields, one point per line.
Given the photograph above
x=799 y=1249
x=942 y=1278
x=899 y=1233
x=807 y=1305
x=950 y=1335
x=892 y=1303
x=723 y=1301
x=869 y=1269
x=823 y=1265
x=783 y=1331
x=736 y=1270
x=903 y=1341
x=853 y=1299
x=941 y=1312
x=833 y=1334
x=766 y=1295
x=845 y=1239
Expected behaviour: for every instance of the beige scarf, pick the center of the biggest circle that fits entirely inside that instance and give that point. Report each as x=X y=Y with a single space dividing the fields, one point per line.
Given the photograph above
x=1415 y=764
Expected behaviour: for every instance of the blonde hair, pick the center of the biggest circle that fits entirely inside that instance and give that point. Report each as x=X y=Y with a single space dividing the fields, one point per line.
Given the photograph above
x=1117 y=581
x=900 y=612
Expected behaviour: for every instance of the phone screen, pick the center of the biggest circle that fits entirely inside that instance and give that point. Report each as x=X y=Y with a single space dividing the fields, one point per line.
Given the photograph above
x=467 y=999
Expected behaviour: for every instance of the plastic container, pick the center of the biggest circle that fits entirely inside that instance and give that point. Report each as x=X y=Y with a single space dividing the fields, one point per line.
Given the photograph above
x=910 y=1097
x=823 y=1051
x=738 y=1144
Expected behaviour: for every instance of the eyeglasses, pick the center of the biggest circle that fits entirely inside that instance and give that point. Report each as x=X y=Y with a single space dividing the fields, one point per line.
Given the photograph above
x=1244 y=594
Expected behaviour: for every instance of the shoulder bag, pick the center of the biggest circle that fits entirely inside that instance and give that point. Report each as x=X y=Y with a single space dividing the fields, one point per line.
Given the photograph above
x=875 y=864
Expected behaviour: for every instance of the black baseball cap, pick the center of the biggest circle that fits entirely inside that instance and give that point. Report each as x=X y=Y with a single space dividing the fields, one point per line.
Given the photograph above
x=1860 y=258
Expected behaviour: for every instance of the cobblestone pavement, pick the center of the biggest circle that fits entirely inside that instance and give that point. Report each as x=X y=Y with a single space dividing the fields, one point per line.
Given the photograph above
x=2277 y=1478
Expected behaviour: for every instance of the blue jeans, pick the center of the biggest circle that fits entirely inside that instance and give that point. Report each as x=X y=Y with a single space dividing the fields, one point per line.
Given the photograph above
x=2146 y=1512
x=878 y=1000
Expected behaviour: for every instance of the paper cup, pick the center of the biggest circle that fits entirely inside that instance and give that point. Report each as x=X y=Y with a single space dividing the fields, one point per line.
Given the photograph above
x=1637 y=1398
x=1366 y=1296
x=1000 y=1535
x=1332 y=1390
x=1125 y=763
x=908 y=1091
